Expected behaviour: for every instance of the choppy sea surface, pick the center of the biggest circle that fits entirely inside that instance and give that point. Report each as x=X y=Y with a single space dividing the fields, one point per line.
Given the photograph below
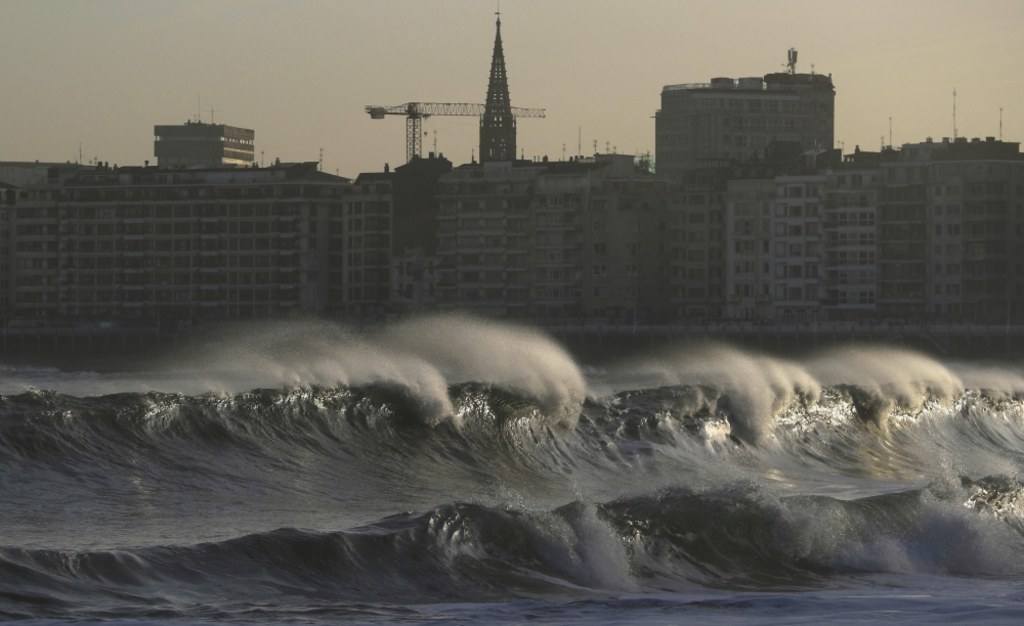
x=459 y=470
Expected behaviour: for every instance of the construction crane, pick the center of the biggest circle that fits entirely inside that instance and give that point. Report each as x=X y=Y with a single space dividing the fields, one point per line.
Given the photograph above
x=415 y=112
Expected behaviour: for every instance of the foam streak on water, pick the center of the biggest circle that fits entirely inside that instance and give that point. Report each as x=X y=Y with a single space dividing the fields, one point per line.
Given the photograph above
x=450 y=468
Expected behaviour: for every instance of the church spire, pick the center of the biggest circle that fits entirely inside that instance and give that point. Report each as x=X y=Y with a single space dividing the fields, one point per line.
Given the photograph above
x=497 y=126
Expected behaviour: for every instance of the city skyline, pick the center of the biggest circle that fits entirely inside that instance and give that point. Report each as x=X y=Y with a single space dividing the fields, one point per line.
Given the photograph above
x=94 y=78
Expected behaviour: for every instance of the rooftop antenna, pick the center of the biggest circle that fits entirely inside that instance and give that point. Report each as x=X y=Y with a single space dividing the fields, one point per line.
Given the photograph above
x=199 y=108
x=1000 y=123
x=320 y=166
x=954 y=113
x=579 y=141
x=211 y=115
x=890 y=131
x=791 y=60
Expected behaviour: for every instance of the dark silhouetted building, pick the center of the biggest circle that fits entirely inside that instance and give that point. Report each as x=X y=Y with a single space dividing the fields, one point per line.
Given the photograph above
x=389 y=247
x=556 y=243
x=154 y=248
x=951 y=231
x=195 y=144
x=498 y=125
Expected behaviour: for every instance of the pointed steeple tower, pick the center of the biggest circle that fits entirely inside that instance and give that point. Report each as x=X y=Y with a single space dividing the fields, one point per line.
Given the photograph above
x=498 y=126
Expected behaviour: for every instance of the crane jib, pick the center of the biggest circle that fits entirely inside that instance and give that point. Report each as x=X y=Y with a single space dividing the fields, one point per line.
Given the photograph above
x=414 y=113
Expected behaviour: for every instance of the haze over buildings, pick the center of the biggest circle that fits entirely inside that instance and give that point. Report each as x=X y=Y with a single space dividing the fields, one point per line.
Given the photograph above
x=752 y=216
x=97 y=75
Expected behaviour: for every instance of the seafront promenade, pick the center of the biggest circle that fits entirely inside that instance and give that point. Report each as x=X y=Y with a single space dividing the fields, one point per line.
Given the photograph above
x=587 y=340
x=939 y=338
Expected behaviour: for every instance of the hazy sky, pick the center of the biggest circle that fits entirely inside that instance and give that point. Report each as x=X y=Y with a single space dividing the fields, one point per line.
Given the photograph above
x=102 y=73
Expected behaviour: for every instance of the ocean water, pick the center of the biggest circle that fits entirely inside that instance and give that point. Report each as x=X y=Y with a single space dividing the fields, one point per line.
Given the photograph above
x=459 y=470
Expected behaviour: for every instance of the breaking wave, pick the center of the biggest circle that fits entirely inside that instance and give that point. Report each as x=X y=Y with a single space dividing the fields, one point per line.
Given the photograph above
x=308 y=471
x=737 y=537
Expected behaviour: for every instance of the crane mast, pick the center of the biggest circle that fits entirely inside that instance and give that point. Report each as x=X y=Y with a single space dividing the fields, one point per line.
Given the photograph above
x=416 y=112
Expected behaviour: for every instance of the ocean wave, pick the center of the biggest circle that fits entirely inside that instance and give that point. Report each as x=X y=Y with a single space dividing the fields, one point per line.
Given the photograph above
x=665 y=430
x=306 y=472
x=735 y=537
x=45 y=424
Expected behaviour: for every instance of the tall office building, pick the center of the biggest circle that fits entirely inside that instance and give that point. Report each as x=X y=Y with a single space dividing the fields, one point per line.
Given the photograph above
x=732 y=120
x=195 y=144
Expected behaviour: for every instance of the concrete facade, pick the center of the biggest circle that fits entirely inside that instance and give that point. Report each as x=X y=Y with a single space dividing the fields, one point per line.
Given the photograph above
x=366 y=245
x=950 y=224
x=196 y=144
x=929 y=231
x=163 y=248
x=555 y=242
x=851 y=240
x=729 y=121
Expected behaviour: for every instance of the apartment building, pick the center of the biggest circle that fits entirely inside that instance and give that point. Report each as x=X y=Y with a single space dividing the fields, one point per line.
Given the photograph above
x=18 y=174
x=556 y=243
x=415 y=239
x=797 y=242
x=483 y=230
x=749 y=207
x=365 y=247
x=928 y=231
x=164 y=249
x=697 y=255
x=389 y=247
x=774 y=257
x=728 y=121
x=950 y=224
x=851 y=238
x=933 y=230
